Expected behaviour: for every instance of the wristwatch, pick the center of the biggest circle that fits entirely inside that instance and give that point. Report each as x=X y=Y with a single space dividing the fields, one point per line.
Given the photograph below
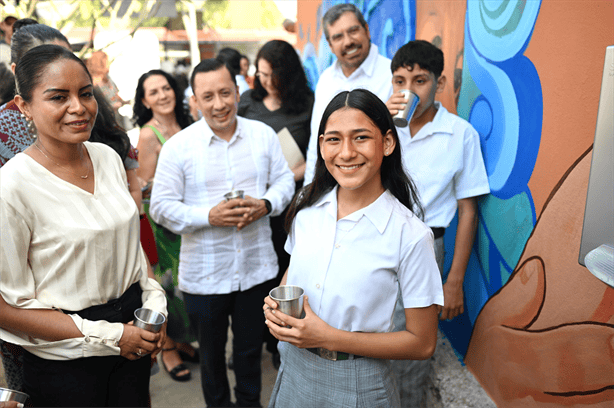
x=268 y=206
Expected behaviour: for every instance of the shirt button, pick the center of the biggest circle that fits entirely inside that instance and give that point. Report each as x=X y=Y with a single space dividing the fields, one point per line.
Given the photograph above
x=104 y=341
x=87 y=339
x=117 y=306
x=318 y=285
x=116 y=344
x=238 y=250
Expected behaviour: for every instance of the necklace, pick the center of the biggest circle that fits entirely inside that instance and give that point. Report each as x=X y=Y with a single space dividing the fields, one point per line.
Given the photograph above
x=59 y=165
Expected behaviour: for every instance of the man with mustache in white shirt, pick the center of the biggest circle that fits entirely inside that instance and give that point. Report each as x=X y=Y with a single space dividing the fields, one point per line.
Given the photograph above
x=358 y=65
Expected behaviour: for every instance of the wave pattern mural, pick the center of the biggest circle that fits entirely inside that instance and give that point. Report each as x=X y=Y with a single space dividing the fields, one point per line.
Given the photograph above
x=501 y=97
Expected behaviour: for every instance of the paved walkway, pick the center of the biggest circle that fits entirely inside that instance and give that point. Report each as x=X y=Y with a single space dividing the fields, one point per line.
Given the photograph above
x=455 y=386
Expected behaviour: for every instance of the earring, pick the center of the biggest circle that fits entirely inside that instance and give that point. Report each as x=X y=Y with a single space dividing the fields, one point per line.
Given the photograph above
x=31 y=126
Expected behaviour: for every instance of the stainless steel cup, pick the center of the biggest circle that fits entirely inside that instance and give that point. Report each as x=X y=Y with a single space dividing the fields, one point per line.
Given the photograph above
x=402 y=118
x=289 y=300
x=148 y=319
x=12 y=395
x=233 y=194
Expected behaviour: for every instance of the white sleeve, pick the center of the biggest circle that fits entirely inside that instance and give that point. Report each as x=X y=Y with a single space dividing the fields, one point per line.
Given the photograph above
x=472 y=180
x=167 y=196
x=418 y=273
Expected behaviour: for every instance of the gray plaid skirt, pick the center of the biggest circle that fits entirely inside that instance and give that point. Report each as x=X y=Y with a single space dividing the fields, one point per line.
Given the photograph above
x=305 y=380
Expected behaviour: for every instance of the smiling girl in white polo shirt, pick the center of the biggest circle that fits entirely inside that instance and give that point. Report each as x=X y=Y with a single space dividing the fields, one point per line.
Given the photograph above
x=354 y=240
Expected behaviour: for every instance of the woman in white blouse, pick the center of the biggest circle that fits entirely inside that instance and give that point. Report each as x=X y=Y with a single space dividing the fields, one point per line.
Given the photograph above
x=355 y=240
x=71 y=266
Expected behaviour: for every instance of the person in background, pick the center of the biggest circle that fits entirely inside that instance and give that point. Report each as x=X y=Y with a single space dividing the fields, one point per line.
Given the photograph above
x=98 y=65
x=442 y=153
x=7 y=84
x=244 y=71
x=358 y=65
x=160 y=113
x=232 y=58
x=16 y=134
x=73 y=227
x=360 y=215
x=282 y=99
x=227 y=257
x=6 y=26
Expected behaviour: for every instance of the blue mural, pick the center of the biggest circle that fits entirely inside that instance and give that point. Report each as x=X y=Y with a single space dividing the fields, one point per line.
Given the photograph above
x=501 y=97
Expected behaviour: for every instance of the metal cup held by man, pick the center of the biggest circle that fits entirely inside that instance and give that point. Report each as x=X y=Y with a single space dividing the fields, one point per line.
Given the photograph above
x=403 y=117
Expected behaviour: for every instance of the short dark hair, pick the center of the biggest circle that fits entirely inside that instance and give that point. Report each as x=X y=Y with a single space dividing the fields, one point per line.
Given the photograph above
x=7 y=84
x=209 y=65
x=334 y=13
x=142 y=115
x=392 y=173
x=32 y=65
x=27 y=34
x=232 y=58
x=420 y=52
x=288 y=77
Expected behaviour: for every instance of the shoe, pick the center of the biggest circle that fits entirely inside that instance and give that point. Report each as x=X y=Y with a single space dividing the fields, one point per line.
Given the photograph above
x=276 y=360
x=177 y=369
x=185 y=356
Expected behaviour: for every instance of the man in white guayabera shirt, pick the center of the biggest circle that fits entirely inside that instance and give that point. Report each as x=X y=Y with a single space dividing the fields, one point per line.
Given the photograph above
x=227 y=256
x=358 y=65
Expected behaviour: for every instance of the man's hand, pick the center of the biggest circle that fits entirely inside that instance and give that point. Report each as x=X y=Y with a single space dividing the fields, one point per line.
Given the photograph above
x=257 y=210
x=229 y=213
x=396 y=103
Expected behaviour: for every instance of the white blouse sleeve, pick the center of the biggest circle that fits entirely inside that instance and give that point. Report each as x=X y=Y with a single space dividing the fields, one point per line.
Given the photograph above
x=419 y=275
x=17 y=287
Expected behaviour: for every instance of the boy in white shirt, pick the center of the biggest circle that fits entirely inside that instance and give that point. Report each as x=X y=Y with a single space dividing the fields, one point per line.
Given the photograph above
x=441 y=152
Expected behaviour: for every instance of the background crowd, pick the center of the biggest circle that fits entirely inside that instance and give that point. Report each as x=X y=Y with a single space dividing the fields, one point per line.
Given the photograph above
x=330 y=187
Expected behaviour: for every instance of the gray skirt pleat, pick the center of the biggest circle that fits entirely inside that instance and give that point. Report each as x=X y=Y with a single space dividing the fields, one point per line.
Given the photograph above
x=305 y=380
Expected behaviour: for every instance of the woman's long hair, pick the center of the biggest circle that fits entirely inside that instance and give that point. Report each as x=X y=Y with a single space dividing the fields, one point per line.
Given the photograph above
x=393 y=176
x=106 y=130
x=142 y=115
x=288 y=77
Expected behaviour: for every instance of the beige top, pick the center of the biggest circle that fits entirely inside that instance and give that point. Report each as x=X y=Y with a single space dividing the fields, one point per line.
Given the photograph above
x=64 y=248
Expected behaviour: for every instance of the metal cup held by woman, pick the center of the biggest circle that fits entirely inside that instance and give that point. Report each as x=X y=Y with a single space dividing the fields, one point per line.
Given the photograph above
x=403 y=117
x=148 y=319
x=7 y=395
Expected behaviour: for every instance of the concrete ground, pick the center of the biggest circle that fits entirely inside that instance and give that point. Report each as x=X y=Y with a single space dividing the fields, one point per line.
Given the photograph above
x=454 y=385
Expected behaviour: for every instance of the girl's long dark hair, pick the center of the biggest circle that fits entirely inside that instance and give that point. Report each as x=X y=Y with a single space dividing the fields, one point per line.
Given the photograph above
x=142 y=115
x=393 y=175
x=288 y=77
x=106 y=130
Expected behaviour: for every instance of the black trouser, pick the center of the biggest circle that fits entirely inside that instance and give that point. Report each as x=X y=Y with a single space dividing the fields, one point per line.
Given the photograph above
x=209 y=317
x=92 y=381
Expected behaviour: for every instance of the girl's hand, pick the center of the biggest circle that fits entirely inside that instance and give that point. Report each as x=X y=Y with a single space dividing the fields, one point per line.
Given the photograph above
x=308 y=332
